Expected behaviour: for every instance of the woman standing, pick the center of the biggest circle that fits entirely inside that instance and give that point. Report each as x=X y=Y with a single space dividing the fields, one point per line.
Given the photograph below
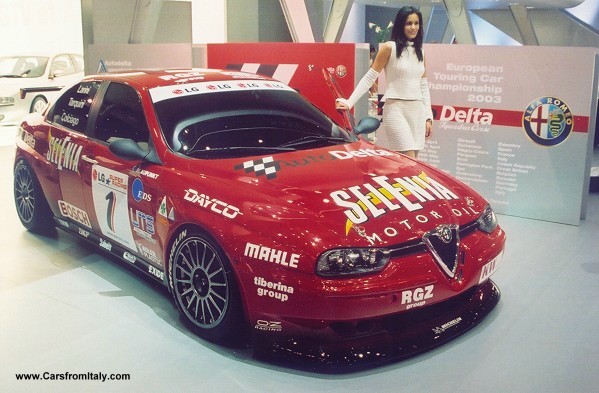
x=407 y=115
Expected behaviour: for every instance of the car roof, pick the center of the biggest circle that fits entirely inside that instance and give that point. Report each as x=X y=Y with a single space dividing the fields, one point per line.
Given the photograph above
x=173 y=77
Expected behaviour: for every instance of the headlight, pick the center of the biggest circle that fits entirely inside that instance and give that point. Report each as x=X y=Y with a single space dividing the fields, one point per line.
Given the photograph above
x=351 y=261
x=7 y=101
x=487 y=222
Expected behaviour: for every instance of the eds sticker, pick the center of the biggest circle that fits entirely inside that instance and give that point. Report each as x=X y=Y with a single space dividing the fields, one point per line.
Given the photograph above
x=548 y=121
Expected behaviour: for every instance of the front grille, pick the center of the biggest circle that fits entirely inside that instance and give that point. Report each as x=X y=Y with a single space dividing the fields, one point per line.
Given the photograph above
x=417 y=246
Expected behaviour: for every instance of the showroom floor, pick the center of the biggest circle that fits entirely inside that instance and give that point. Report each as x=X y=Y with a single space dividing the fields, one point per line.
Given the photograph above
x=66 y=309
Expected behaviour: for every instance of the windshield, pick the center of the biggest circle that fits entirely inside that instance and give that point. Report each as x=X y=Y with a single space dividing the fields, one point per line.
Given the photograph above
x=245 y=123
x=22 y=66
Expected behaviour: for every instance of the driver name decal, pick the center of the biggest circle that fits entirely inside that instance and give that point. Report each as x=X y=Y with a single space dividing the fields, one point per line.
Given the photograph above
x=375 y=200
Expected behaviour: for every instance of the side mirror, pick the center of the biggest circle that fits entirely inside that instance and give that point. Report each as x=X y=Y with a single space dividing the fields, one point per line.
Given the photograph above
x=56 y=74
x=127 y=149
x=367 y=125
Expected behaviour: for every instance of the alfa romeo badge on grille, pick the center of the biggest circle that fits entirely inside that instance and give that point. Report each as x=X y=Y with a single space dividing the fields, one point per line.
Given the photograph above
x=444 y=242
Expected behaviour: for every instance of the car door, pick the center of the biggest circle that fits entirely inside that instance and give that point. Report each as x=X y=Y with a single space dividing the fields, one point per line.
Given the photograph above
x=67 y=147
x=122 y=193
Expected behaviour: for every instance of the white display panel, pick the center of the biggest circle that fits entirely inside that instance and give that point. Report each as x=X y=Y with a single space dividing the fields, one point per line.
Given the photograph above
x=514 y=124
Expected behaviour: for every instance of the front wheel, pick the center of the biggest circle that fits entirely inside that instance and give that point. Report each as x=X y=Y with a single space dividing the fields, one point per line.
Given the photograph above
x=32 y=206
x=38 y=104
x=204 y=288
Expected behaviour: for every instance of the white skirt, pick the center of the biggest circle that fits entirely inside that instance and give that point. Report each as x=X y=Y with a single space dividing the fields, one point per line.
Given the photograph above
x=404 y=125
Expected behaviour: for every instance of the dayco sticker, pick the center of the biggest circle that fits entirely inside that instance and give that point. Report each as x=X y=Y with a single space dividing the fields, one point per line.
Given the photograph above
x=213 y=204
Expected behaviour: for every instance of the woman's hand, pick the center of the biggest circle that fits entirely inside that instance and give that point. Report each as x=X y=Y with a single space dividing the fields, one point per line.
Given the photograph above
x=429 y=129
x=340 y=105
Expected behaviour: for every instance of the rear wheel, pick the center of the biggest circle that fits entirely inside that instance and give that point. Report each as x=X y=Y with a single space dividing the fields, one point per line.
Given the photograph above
x=204 y=288
x=32 y=206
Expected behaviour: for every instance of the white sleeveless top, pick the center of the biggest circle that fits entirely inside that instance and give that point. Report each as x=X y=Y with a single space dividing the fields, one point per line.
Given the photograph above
x=403 y=75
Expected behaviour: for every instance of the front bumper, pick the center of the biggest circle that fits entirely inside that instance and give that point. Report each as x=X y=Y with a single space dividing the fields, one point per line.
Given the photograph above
x=394 y=337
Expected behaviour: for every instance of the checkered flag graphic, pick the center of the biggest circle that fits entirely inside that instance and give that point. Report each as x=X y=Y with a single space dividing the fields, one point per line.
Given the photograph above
x=266 y=166
x=280 y=72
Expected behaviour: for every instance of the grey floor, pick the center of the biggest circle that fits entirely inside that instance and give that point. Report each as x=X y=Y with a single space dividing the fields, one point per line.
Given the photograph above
x=64 y=308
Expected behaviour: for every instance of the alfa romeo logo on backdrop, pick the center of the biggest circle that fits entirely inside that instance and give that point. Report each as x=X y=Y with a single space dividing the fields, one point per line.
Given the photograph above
x=548 y=121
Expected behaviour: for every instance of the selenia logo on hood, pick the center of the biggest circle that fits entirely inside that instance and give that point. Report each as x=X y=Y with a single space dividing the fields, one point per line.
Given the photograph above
x=385 y=195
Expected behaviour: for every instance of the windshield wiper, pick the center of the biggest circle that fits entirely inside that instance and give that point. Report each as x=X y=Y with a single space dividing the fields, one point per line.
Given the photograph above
x=10 y=76
x=313 y=138
x=238 y=149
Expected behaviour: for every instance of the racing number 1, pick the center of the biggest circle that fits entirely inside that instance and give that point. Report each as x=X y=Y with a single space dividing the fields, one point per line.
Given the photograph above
x=111 y=198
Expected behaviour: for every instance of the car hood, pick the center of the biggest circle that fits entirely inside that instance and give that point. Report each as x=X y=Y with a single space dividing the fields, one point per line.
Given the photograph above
x=356 y=190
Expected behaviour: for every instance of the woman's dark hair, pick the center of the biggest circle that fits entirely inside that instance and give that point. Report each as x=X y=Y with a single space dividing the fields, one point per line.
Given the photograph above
x=397 y=34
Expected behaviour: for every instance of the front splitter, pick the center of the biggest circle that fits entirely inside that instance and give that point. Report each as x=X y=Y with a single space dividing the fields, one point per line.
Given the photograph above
x=405 y=335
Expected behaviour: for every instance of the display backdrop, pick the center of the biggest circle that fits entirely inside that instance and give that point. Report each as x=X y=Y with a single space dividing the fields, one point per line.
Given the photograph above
x=514 y=124
x=298 y=65
x=101 y=58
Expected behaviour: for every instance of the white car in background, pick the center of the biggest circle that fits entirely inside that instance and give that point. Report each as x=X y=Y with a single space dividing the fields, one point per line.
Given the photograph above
x=28 y=83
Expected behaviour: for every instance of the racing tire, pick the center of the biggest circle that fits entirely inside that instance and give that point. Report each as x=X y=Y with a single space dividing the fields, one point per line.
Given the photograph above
x=31 y=204
x=204 y=289
x=38 y=104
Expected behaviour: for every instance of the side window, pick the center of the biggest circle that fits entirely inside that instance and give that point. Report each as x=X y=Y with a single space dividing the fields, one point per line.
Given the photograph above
x=79 y=64
x=71 y=110
x=121 y=116
x=62 y=65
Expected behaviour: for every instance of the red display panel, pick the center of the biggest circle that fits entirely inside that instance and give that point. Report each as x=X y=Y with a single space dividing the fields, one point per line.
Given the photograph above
x=296 y=64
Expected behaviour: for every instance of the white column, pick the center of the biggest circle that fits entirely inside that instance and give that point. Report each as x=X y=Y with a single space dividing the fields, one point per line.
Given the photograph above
x=525 y=28
x=340 y=10
x=298 y=20
x=457 y=12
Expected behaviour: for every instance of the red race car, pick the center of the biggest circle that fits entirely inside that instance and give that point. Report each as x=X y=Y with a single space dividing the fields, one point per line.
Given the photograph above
x=268 y=222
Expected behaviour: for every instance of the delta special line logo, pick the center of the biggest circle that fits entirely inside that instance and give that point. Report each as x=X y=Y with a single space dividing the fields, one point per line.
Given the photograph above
x=548 y=121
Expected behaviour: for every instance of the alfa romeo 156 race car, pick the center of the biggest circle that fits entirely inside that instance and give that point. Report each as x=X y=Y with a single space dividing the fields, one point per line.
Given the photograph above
x=268 y=222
